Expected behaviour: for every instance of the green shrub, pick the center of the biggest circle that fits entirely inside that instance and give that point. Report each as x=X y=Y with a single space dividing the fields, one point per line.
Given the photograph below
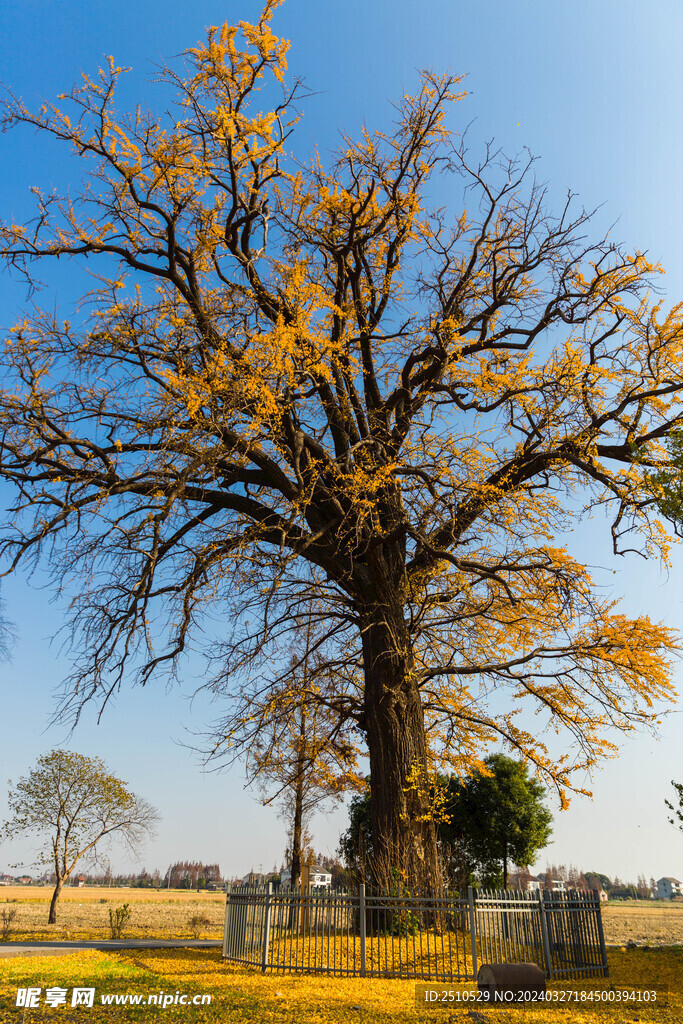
x=118 y=919
x=6 y=918
x=197 y=922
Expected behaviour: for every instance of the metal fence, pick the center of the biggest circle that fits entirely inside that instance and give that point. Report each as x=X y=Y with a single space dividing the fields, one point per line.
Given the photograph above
x=559 y=931
x=440 y=936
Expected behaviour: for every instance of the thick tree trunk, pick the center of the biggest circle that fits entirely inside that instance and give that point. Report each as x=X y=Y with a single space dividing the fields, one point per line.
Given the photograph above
x=403 y=832
x=52 y=919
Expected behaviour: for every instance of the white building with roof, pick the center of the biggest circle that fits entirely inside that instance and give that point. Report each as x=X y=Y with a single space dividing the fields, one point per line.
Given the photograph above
x=668 y=887
x=318 y=878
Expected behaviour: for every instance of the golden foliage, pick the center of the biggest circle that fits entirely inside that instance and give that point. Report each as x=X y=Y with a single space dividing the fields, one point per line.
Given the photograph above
x=298 y=384
x=241 y=994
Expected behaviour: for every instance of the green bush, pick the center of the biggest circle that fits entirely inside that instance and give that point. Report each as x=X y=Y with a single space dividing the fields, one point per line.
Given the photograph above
x=6 y=918
x=197 y=923
x=118 y=919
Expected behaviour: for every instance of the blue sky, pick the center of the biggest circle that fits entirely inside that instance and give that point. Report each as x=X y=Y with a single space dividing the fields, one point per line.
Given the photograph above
x=595 y=92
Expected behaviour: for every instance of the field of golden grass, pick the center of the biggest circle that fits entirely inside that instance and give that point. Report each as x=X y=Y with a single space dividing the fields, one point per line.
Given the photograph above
x=162 y=914
x=655 y=923
x=84 y=913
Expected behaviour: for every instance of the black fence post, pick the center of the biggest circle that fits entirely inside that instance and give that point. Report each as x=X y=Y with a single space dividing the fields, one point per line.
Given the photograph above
x=361 y=901
x=544 y=933
x=473 y=929
x=266 y=928
x=227 y=929
x=601 y=935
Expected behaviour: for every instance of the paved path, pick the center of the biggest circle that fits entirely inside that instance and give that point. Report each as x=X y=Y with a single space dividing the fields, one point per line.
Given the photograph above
x=8 y=949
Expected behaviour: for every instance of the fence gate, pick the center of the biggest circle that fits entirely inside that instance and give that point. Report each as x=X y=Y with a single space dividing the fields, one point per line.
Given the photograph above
x=245 y=936
x=559 y=931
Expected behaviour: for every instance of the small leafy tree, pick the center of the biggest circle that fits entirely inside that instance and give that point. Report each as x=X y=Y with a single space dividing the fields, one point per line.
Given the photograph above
x=118 y=919
x=355 y=845
x=197 y=923
x=666 y=485
x=7 y=915
x=596 y=880
x=497 y=816
x=74 y=803
x=296 y=750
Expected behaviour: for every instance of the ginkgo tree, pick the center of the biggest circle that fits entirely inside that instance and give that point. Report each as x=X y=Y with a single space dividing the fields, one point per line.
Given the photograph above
x=297 y=751
x=73 y=805
x=298 y=383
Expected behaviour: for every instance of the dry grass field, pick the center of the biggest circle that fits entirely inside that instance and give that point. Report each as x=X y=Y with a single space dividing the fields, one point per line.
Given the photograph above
x=84 y=913
x=655 y=923
x=160 y=914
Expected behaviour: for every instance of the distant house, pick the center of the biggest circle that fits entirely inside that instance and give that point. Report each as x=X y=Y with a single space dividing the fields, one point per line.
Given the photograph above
x=79 y=881
x=552 y=884
x=318 y=878
x=668 y=887
x=254 y=878
x=525 y=881
x=285 y=878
